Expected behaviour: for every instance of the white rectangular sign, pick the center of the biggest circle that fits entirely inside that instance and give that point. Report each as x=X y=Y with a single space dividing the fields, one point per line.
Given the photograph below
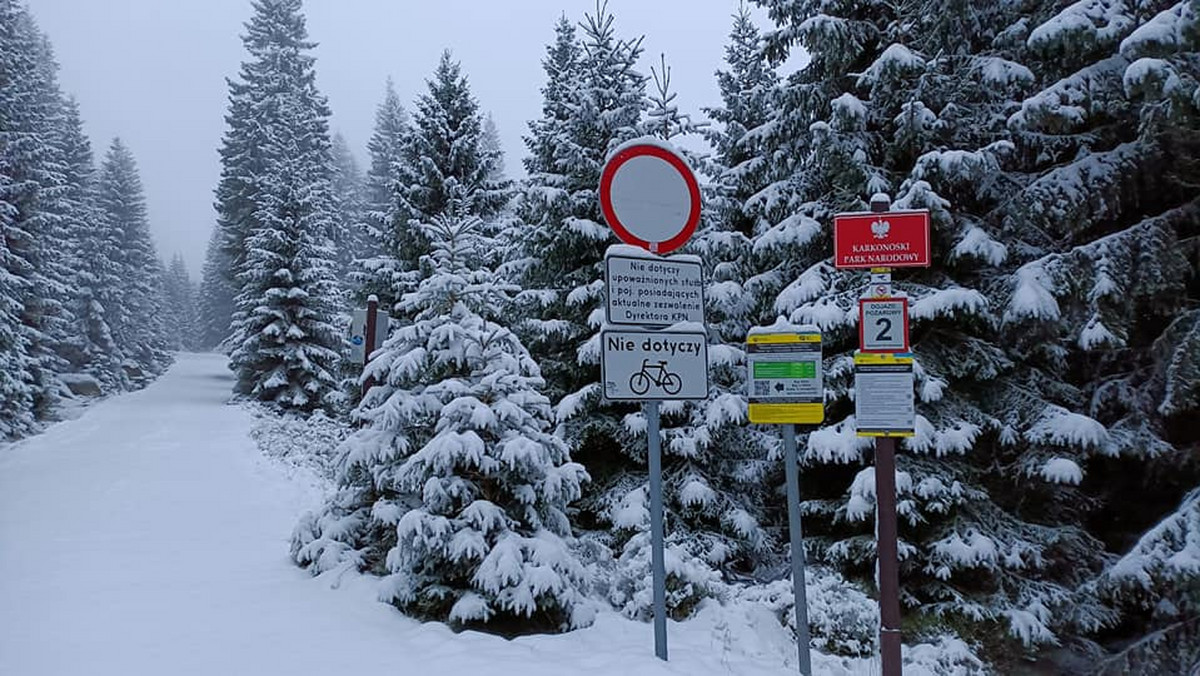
x=653 y=291
x=883 y=395
x=358 y=334
x=649 y=365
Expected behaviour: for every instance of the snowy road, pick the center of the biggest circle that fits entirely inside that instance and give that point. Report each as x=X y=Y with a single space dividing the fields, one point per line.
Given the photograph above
x=150 y=537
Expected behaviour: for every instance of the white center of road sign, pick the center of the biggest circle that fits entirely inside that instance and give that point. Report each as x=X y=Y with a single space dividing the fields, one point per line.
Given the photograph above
x=648 y=365
x=651 y=198
x=653 y=291
x=883 y=324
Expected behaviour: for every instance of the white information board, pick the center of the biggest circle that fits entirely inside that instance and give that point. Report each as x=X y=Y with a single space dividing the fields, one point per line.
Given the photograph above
x=883 y=395
x=646 y=291
x=654 y=365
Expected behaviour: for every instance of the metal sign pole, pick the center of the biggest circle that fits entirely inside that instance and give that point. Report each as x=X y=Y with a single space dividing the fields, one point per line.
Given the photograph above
x=657 y=565
x=799 y=592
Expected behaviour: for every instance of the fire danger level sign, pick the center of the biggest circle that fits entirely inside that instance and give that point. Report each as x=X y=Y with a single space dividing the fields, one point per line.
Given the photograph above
x=883 y=325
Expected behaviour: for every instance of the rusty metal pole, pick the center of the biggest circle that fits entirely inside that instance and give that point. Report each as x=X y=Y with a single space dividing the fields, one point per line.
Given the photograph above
x=885 y=540
x=372 y=318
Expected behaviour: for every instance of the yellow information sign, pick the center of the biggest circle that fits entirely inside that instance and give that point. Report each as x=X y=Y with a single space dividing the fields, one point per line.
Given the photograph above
x=784 y=378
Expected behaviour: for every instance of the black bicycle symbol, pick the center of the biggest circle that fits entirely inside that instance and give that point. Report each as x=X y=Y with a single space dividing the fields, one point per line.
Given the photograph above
x=658 y=374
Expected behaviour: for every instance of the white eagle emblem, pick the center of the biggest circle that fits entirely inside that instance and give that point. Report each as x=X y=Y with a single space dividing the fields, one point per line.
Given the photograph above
x=880 y=228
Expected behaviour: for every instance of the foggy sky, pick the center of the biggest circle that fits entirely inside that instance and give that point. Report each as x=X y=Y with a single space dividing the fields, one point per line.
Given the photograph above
x=153 y=72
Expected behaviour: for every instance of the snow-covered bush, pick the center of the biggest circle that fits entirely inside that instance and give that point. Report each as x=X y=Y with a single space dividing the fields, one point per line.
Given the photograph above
x=842 y=619
x=456 y=489
x=309 y=442
x=689 y=579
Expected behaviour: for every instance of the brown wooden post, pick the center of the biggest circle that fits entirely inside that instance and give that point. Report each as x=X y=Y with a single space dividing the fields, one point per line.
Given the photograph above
x=885 y=541
x=372 y=312
x=889 y=566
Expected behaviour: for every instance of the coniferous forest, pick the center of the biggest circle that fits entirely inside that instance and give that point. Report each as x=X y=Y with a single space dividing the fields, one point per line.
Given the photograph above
x=1049 y=502
x=82 y=289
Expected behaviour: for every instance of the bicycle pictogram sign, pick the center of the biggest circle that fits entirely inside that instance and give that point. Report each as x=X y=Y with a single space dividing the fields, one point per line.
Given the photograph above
x=656 y=374
x=648 y=365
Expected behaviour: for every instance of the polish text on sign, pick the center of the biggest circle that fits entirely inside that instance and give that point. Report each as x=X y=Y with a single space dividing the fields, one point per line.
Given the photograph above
x=883 y=325
x=785 y=378
x=653 y=291
x=891 y=239
x=883 y=395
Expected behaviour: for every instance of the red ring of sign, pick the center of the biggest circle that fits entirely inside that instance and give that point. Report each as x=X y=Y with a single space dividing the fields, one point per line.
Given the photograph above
x=610 y=215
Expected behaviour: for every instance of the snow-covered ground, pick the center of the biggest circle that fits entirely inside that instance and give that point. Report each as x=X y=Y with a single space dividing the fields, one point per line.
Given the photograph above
x=150 y=537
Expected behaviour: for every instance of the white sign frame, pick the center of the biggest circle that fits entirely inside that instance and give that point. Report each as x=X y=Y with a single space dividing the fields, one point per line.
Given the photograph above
x=879 y=339
x=623 y=378
x=884 y=403
x=639 y=291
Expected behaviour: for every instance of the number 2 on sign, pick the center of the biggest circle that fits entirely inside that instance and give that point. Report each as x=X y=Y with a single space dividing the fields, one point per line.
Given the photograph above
x=883 y=336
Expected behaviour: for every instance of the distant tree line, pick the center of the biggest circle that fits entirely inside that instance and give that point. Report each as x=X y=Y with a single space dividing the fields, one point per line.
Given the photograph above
x=85 y=303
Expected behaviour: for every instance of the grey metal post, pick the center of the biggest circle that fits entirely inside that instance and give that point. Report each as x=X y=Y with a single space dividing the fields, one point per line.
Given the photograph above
x=792 y=471
x=657 y=565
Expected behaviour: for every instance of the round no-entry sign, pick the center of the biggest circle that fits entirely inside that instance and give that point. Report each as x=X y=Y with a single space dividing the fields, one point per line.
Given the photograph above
x=650 y=197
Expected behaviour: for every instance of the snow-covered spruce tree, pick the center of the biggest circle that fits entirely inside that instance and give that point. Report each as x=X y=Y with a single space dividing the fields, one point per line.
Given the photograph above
x=16 y=401
x=96 y=257
x=1104 y=292
x=378 y=271
x=492 y=147
x=457 y=488
x=741 y=170
x=60 y=199
x=276 y=211
x=139 y=328
x=38 y=254
x=350 y=241
x=592 y=102
x=214 y=299
x=990 y=513
x=445 y=163
x=180 y=311
x=17 y=372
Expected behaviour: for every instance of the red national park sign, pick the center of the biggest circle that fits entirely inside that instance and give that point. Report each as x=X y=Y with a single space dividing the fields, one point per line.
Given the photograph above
x=889 y=239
